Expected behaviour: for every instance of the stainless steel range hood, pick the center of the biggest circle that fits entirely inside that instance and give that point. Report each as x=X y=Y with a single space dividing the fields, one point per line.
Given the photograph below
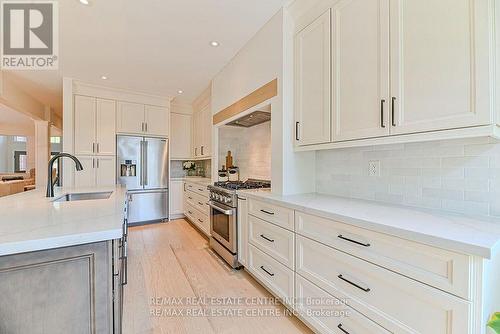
x=255 y=118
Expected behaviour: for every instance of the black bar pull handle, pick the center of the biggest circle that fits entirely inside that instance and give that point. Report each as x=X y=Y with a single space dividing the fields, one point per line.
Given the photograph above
x=267 y=272
x=267 y=212
x=342 y=329
x=297 y=131
x=266 y=238
x=382 y=123
x=340 y=236
x=392 y=111
x=353 y=284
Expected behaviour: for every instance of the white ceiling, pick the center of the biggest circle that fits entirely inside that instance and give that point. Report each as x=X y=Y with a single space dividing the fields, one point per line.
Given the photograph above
x=9 y=116
x=153 y=46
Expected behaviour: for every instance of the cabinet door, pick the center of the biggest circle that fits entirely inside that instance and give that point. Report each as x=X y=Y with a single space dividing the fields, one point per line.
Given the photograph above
x=105 y=171
x=180 y=138
x=242 y=230
x=85 y=124
x=360 y=44
x=176 y=197
x=106 y=127
x=197 y=134
x=130 y=118
x=440 y=64
x=206 y=142
x=312 y=82
x=86 y=177
x=156 y=121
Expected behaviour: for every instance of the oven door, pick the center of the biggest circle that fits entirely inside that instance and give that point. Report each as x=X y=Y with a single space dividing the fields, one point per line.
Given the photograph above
x=223 y=225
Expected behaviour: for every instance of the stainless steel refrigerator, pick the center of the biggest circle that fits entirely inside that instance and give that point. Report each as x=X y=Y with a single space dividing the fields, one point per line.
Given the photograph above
x=142 y=165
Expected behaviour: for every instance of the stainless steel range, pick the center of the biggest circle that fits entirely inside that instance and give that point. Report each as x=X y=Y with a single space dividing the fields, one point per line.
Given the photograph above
x=224 y=216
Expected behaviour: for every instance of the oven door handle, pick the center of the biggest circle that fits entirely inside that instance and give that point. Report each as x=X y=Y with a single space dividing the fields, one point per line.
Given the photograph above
x=218 y=208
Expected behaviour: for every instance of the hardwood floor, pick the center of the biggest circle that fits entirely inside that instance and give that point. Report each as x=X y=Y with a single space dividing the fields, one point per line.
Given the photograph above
x=172 y=260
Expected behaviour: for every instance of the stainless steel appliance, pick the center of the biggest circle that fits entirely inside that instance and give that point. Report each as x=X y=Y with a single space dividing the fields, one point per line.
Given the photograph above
x=224 y=218
x=142 y=166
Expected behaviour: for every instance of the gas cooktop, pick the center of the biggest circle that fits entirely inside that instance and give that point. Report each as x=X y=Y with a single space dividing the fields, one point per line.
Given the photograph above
x=249 y=184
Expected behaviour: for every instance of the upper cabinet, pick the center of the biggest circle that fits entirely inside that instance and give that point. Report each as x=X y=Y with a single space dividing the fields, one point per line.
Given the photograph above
x=360 y=87
x=180 y=139
x=440 y=64
x=135 y=118
x=398 y=67
x=313 y=82
x=94 y=126
x=202 y=133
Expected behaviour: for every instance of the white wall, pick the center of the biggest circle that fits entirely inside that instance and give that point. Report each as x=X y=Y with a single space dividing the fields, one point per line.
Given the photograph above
x=250 y=148
x=455 y=175
x=267 y=56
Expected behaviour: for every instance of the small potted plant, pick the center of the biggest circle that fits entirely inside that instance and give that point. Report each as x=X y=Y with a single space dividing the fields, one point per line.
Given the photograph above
x=190 y=167
x=494 y=322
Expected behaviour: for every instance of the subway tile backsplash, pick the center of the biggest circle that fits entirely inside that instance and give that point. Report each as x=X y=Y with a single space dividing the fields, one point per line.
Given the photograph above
x=460 y=175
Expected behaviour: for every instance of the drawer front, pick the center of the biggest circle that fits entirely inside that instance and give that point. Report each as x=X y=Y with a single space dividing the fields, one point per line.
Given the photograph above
x=272 y=213
x=200 y=203
x=273 y=275
x=190 y=212
x=203 y=222
x=445 y=270
x=272 y=240
x=329 y=315
x=389 y=296
x=190 y=197
x=198 y=188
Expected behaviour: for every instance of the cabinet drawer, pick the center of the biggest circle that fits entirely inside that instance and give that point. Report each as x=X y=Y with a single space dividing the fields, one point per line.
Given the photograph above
x=189 y=211
x=272 y=213
x=198 y=188
x=387 y=295
x=327 y=314
x=272 y=240
x=276 y=277
x=443 y=269
x=202 y=221
x=200 y=203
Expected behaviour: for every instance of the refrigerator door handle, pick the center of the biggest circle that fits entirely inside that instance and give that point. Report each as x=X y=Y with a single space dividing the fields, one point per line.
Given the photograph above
x=145 y=163
x=141 y=154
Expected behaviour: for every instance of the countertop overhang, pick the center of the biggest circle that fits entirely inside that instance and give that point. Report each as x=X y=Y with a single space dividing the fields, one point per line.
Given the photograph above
x=31 y=222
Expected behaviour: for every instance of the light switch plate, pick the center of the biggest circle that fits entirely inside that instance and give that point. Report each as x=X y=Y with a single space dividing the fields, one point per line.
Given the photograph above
x=374 y=168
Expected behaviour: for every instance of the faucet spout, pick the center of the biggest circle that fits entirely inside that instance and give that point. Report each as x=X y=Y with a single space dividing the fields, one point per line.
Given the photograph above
x=50 y=183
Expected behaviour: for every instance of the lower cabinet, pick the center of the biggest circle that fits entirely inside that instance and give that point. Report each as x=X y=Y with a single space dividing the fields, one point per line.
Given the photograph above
x=176 y=199
x=327 y=314
x=67 y=290
x=242 y=230
x=97 y=171
x=196 y=208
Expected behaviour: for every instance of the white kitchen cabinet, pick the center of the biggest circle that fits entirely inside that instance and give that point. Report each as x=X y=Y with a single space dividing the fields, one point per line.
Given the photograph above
x=440 y=64
x=360 y=40
x=136 y=118
x=130 y=118
x=176 y=198
x=94 y=126
x=85 y=124
x=156 y=121
x=202 y=133
x=402 y=71
x=97 y=171
x=180 y=138
x=313 y=82
x=242 y=230
x=106 y=127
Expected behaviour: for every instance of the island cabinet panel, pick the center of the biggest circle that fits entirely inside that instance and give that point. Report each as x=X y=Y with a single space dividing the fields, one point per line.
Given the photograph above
x=66 y=290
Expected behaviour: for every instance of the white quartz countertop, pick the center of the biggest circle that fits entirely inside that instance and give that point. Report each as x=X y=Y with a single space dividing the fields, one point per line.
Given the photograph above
x=30 y=222
x=480 y=237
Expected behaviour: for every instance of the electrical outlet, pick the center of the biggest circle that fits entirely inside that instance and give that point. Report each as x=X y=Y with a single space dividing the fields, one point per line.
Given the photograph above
x=374 y=168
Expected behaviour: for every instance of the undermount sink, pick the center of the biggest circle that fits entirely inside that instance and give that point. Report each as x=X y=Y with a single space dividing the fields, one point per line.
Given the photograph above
x=83 y=196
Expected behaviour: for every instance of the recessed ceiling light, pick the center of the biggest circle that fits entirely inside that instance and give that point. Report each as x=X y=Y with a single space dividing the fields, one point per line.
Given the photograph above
x=180 y=91
x=104 y=77
x=85 y=2
x=214 y=43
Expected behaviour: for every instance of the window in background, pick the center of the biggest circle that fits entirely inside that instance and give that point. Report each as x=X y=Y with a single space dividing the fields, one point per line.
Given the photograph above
x=55 y=140
x=20 y=161
x=20 y=139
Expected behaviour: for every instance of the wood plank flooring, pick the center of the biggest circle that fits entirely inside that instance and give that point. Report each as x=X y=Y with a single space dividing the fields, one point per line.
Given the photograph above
x=178 y=285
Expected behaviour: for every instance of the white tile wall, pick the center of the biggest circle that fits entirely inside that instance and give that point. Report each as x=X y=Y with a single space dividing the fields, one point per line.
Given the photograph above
x=250 y=148
x=455 y=175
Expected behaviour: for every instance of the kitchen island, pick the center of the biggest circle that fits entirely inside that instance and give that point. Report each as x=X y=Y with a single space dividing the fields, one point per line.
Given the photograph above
x=63 y=261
